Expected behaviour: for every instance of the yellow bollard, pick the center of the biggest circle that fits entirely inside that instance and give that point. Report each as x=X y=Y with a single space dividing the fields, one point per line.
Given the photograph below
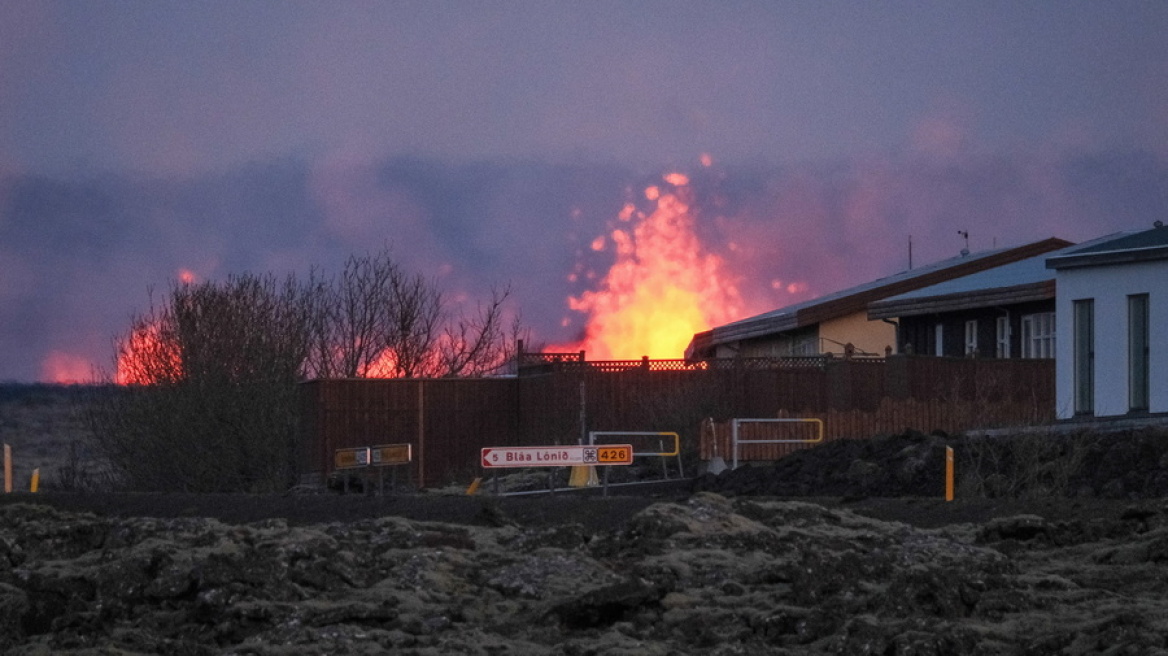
x=474 y=487
x=583 y=476
x=7 y=469
x=36 y=480
x=948 y=473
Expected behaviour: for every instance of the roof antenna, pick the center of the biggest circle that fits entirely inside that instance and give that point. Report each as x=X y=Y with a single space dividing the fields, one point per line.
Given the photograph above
x=965 y=234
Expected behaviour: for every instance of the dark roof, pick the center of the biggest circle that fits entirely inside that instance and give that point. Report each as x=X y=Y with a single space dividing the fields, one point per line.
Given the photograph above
x=1023 y=281
x=856 y=299
x=910 y=307
x=1123 y=249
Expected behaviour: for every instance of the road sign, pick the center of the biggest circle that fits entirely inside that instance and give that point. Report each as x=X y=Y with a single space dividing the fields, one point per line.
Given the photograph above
x=390 y=454
x=557 y=456
x=350 y=458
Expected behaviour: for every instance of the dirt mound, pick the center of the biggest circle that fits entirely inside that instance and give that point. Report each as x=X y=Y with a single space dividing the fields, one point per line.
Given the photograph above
x=1131 y=464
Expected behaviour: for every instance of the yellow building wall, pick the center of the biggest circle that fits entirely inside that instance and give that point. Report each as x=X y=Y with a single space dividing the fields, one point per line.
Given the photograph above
x=867 y=336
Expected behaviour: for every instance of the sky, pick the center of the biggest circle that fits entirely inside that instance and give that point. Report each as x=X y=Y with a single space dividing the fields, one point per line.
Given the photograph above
x=494 y=143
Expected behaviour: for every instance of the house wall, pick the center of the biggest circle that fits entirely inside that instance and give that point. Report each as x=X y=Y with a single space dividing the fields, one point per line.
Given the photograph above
x=801 y=342
x=827 y=337
x=867 y=336
x=1109 y=286
x=918 y=331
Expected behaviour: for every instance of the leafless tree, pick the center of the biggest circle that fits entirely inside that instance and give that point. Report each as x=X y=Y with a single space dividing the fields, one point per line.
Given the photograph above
x=376 y=320
x=477 y=344
x=414 y=314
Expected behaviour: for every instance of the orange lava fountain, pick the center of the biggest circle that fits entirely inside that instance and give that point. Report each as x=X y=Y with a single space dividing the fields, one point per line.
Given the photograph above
x=661 y=289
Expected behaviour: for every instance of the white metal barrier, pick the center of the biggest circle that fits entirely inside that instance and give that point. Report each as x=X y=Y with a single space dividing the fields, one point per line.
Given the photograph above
x=735 y=441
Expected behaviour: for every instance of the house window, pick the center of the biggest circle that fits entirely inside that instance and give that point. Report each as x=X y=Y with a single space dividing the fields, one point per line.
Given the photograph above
x=939 y=340
x=1038 y=335
x=971 y=338
x=806 y=345
x=1137 y=352
x=1083 y=334
x=1002 y=333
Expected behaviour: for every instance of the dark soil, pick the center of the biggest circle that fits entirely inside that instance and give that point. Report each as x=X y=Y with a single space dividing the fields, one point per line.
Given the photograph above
x=1052 y=546
x=1129 y=464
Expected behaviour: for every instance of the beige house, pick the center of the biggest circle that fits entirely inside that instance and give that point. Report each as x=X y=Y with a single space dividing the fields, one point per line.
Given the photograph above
x=827 y=325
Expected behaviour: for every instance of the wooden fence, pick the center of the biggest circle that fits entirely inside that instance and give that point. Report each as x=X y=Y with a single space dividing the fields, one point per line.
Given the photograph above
x=447 y=421
x=892 y=416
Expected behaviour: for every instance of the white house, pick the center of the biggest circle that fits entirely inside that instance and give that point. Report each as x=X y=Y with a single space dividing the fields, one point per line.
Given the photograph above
x=1112 y=299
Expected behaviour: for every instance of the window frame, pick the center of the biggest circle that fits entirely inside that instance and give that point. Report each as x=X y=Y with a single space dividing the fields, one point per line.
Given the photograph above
x=1038 y=335
x=1083 y=355
x=1002 y=334
x=1138 y=352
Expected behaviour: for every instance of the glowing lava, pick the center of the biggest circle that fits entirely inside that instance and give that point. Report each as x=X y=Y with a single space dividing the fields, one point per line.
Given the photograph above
x=146 y=358
x=662 y=288
x=385 y=366
x=67 y=368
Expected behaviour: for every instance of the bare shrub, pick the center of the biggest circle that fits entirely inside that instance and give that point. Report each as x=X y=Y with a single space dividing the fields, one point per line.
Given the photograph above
x=210 y=401
x=208 y=398
x=81 y=472
x=1033 y=464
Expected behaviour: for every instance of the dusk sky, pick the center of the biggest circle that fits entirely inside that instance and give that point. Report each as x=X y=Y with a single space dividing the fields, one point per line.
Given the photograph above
x=493 y=142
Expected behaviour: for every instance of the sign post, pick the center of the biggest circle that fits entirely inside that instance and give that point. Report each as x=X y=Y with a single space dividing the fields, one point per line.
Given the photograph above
x=352 y=458
x=948 y=473
x=557 y=456
x=380 y=456
x=575 y=455
x=7 y=469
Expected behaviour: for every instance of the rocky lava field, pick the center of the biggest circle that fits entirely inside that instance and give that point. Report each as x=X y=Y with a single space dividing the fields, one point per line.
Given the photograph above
x=844 y=549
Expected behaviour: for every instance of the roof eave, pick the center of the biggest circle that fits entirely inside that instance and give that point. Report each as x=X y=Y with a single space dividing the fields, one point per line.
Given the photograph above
x=1125 y=256
x=751 y=329
x=973 y=300
x=860 y=302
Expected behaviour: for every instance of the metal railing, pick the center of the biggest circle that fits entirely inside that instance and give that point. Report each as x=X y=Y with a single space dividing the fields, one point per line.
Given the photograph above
x=735 y=440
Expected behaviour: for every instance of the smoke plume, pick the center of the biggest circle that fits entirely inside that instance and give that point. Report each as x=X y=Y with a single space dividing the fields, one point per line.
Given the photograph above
x=79 y=256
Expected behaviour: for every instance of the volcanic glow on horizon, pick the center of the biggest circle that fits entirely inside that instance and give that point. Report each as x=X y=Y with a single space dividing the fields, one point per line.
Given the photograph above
x=662 y=287
x=66 y=368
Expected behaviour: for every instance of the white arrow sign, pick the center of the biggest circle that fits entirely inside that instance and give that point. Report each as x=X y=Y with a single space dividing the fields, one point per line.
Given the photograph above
x=557 y=456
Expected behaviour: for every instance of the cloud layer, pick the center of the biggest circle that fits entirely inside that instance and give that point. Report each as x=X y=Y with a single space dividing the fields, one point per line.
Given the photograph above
x=79 y=257
x=495 y=142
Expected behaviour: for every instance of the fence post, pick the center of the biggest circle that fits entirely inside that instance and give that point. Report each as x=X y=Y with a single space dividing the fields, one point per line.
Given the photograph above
x=948 y=473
